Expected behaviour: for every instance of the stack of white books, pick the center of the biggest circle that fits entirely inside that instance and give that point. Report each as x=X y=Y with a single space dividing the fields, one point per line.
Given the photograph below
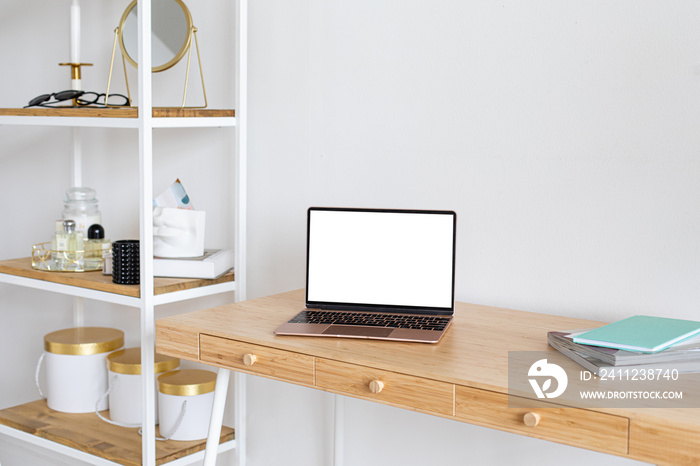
x=213 y=263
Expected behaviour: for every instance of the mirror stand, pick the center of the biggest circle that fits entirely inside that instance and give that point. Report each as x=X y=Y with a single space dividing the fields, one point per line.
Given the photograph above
x=193 y=34
x=111 y=68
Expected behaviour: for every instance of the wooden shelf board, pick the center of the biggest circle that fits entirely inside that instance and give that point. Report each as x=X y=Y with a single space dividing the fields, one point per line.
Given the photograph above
x=99 y=282
x=88 y=433
x=131 y=112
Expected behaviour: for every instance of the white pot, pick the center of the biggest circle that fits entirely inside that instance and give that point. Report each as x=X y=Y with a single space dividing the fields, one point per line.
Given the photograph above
x=76 y=368
x=124 y=369
x=185 y=400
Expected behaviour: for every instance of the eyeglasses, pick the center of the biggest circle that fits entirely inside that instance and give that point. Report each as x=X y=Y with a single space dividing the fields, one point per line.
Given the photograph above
x=93 y=98
x=82 y=99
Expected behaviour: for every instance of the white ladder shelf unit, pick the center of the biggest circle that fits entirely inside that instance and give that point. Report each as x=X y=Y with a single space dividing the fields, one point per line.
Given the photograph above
x=151 y=292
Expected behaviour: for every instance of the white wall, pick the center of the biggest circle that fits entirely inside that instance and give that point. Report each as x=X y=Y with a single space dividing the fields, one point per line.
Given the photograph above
x=564 y=134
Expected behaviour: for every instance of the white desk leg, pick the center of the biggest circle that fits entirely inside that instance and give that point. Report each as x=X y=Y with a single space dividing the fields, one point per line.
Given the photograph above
x=338 y=432
x=217 y=417
x=240 y=406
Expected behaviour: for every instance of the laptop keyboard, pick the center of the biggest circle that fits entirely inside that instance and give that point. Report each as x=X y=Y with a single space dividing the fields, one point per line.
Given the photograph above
x=372 y=319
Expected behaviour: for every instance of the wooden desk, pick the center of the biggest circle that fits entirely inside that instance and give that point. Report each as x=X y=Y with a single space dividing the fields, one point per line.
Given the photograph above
x=464 y=377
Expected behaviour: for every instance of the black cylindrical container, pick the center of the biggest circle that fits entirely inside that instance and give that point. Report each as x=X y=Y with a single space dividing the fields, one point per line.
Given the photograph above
x=125 y=262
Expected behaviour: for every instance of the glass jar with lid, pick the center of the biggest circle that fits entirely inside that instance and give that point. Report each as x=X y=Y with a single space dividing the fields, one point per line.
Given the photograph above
x=80 y=206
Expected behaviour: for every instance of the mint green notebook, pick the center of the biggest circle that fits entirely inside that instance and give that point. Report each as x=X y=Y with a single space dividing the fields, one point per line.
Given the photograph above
x=644 y=334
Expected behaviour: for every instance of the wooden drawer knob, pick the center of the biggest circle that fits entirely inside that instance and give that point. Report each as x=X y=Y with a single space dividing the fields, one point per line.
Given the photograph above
x=531 y=419
x=376 y=386
x=249 y=359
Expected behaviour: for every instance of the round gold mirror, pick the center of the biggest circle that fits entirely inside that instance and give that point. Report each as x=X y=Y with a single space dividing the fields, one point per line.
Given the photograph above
x=170 y=37
x=172 y=32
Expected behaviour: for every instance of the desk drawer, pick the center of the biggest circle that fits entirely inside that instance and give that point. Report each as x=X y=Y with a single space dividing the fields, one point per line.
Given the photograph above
x=665 y=442
x=254 y=359
x=578 y=427
x=386 y=387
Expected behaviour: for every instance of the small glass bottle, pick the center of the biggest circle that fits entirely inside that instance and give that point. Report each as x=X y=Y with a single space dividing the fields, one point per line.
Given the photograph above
x=80 y=205
x=95 y=247
x=67 y=248
x=58 y=232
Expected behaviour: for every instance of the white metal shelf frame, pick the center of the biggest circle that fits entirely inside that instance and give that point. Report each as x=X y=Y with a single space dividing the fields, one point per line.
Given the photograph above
x=145 y=124
x=128 y=123
x=104 y=296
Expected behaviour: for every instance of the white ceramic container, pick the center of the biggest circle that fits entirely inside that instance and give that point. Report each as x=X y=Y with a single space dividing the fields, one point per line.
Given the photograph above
x=76 y=368
x=185 y=399
x=124 y=374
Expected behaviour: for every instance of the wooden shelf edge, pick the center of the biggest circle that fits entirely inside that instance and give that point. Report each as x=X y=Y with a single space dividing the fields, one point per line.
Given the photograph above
x=167 y=112
x=97 y=281
x=131 y=112
x=90 y=434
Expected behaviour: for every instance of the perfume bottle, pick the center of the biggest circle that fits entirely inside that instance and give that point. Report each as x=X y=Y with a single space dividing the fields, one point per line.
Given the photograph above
x=58 y=232
x=96 y=246
x=67 y=248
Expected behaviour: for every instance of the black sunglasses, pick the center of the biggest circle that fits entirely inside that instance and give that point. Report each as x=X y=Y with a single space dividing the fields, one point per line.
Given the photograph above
x=41 y=101
x=82 y=98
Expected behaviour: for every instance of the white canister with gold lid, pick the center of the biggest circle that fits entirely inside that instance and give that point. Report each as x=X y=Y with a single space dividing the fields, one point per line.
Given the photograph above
x=185 y=399
x=124 y=373
x=76 y=369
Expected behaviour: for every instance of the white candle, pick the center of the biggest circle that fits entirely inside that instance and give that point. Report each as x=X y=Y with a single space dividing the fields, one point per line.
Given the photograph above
x=75 y=32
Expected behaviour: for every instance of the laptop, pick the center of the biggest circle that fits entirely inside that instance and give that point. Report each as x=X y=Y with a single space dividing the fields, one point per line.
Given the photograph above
x=384 y=274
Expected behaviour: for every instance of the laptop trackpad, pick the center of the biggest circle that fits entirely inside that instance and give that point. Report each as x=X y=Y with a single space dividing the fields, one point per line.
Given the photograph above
x=351 y=330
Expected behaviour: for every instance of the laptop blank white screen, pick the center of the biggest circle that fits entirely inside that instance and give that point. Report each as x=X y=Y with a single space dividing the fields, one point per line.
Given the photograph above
x=385 y=258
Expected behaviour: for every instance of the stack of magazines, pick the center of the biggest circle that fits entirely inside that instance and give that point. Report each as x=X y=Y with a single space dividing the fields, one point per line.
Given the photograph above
x=683 y=356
